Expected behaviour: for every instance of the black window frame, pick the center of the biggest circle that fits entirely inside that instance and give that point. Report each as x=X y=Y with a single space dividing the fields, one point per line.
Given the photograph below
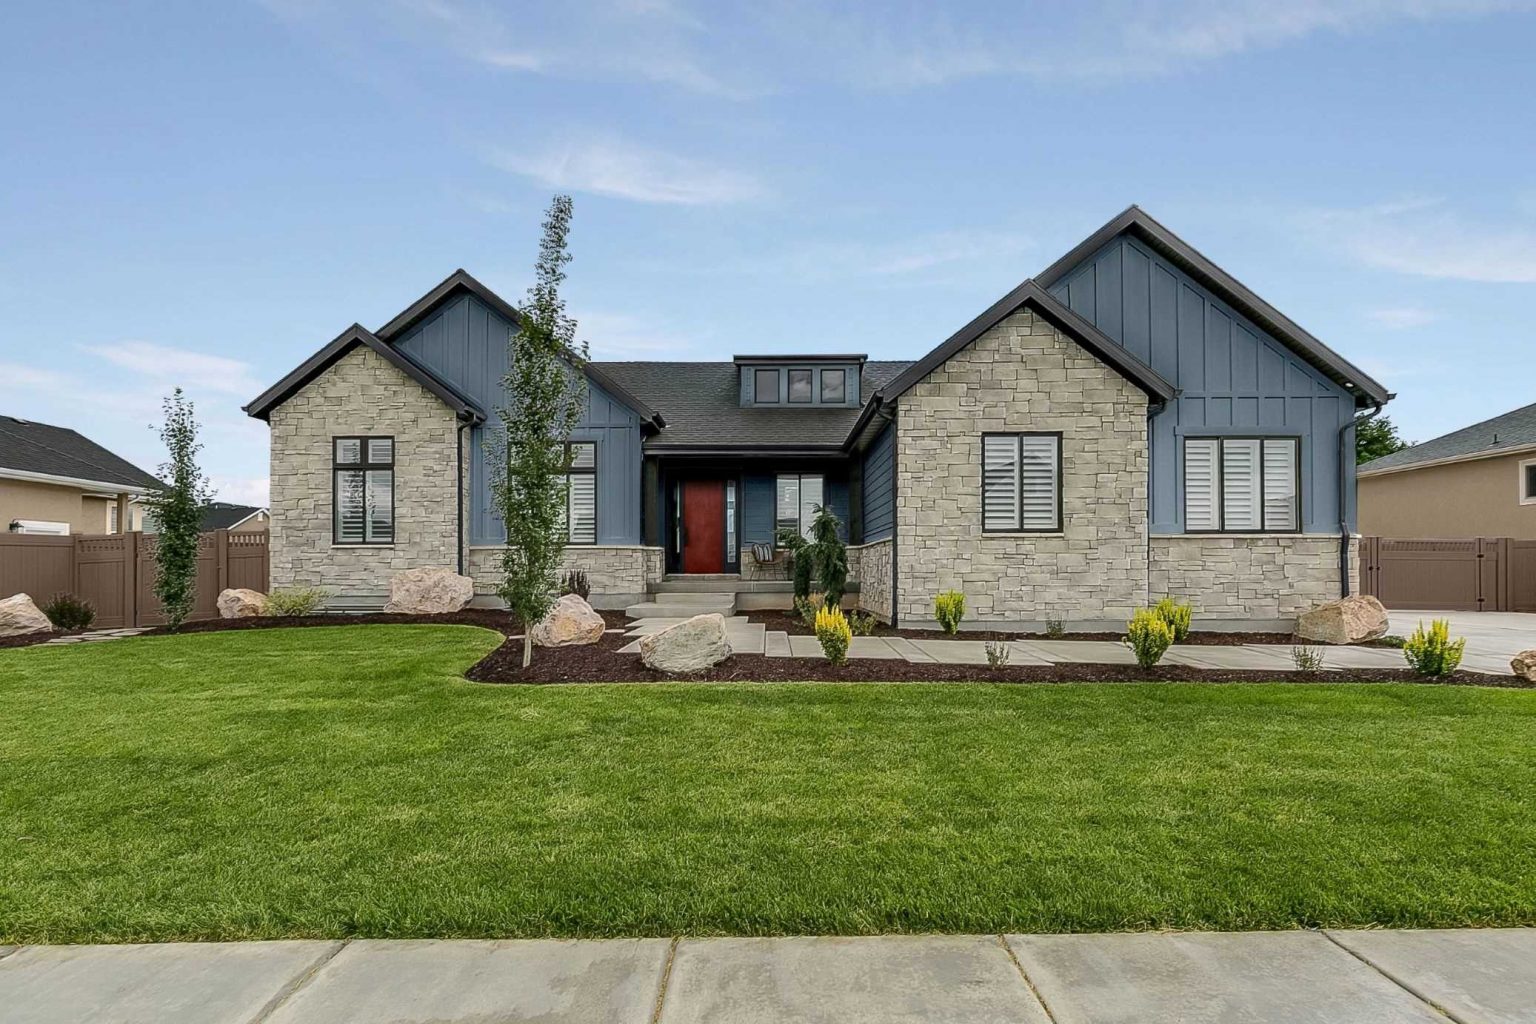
x=570 y=471
x=981 y=456
x=821 y=386
x=364 y=466
x=1219 y=503
x=810 y=385
x=757 y=385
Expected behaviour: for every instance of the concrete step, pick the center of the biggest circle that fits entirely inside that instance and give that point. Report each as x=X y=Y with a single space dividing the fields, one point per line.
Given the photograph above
x=682 y=606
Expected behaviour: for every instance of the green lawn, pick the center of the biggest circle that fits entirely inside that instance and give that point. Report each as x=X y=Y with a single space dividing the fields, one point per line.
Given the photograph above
x=347 y=781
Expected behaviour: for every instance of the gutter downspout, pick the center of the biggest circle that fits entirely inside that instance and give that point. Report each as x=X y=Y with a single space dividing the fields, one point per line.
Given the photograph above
x=1346 y=460
x=1153 y=408
x=459 y=491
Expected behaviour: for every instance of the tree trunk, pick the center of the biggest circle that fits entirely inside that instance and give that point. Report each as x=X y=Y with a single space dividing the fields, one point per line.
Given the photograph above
x=527 y=647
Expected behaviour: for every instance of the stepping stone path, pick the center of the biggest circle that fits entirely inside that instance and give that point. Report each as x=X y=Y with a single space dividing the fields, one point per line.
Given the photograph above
x=93 y=636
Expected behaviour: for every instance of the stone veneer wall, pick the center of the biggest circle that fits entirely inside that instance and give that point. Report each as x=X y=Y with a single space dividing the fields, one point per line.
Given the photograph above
x=874 y=576
x=1023 y=375
x=1249 y=578
x=361 y=393
x=617 y=574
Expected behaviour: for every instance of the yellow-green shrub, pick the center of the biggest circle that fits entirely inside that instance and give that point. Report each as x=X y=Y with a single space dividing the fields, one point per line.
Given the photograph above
x=1433 y=652
x=833 y=632
x=1148 y=636
x=1176 y=615
x=949 y=609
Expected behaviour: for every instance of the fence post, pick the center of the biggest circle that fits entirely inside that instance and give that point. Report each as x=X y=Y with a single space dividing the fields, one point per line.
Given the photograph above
x=221 y=559
x=131 y=578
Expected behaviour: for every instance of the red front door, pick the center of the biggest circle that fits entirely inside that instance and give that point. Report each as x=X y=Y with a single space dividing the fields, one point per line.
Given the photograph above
x=703 y=526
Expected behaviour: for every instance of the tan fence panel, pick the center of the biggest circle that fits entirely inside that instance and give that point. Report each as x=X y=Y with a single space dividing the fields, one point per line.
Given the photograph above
x=1480 y=574
x=204 y=603
x=38 y=566
x=104 y=576
x=1522 y=576
x=248 y=558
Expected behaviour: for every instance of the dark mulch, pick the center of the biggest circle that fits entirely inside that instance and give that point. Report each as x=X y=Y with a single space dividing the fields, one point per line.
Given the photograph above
x=28 y=639
x=503 y=622
x=795 y=626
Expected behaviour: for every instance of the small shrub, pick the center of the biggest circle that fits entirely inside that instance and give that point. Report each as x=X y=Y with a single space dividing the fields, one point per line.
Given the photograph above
x=862 y=623
x=1432 y=652
x=1392 y=640
x=1176 y=615
x=833 y=632
x=1055 y=628
x=575 y=582
x=807 y=607
x=1307 y=659
x=296 y=601
x=1148 y=636
x=66 y=611
x=949 y=609
x=997 y=653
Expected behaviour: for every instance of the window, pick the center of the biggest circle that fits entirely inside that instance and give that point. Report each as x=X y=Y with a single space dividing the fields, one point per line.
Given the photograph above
x=581 y=496
x=834 y=386
x=730 y=521
x=1020 y=483
x=799 y=385
x=1528 y=482
x=766 y=384
x=1241 y=485
x=364 y=490
x=799 y=494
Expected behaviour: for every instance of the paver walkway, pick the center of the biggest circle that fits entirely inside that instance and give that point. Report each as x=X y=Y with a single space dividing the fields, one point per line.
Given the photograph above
x=1493 y=638
x=1335 y=977
x=92 y=636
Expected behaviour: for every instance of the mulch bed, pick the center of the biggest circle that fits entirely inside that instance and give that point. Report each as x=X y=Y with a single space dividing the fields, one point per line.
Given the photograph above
x=503 y=622
x=795 y=626
x=28 y=639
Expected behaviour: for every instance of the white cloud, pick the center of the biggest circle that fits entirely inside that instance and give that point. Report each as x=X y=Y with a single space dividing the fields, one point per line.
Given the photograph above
x=181 y=367
x=242 y=490
x=626 y=336
x=1426 y=238
x=891 y=258
x=1401 y=318
x=612 y=167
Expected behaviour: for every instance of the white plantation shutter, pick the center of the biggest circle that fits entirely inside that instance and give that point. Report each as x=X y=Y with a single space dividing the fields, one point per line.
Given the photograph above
x=1280 y=498
x=1200 y=484
x=379 y=494
x=786 y=514
x=583 y=517
x=1000 y=482
x=1240 y=484
x=349 y=506
x=811 y=491
x=1038 y=478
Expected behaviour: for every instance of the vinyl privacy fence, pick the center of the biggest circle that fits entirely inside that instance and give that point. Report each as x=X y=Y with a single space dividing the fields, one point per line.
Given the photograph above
x=1480 y=574
x=116 y=572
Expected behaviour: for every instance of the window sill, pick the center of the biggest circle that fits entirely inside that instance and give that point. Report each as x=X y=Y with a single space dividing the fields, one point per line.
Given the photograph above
x=1014 y=534
x=361 y=547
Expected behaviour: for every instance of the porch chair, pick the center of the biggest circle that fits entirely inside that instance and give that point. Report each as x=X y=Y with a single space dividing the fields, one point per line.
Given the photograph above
x=770 y=559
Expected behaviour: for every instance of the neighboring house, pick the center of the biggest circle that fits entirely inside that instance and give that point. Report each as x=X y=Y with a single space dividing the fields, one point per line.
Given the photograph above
x=53 y=480
x=1131 y=423
x=221 y=515
x=1479 y=481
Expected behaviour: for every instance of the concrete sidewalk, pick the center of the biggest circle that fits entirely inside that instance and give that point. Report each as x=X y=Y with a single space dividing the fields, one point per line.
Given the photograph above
x=1381 y=977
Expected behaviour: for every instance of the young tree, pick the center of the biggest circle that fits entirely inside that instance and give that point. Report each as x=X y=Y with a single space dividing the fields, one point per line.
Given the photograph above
x=544 y=394
x=1375 y=438
x=178 y=510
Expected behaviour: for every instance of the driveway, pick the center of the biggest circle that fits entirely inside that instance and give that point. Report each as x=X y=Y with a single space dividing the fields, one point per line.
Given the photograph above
x=1492 y=637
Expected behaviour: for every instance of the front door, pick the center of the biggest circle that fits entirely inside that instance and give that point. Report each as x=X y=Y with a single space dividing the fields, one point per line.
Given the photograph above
x=703 y=526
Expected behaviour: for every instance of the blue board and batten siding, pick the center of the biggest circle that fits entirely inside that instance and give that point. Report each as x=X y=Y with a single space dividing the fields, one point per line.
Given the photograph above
x=465 y=343
x=879 y=493
x=1233 y=377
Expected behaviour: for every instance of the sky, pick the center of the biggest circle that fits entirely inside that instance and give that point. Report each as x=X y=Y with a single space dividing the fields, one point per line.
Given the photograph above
x=203 y=194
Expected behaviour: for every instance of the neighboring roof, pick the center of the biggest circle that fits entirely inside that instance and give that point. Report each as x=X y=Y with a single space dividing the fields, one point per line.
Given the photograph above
x=1502 y=435
x=40 y=451
x=343 y=343
x=1138 y=222
x=1030 y=294
x=221 y=515
x=704 y=410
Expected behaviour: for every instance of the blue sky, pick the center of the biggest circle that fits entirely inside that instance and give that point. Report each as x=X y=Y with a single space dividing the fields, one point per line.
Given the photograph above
x=204 y=194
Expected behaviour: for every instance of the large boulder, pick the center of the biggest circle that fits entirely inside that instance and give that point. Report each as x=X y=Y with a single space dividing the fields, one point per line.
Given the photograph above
x=429 y=591
x=239 y=603
x=571 y=621
x=1524 y=665
x=19 y=616
x=692 y=645
x=1350 y=620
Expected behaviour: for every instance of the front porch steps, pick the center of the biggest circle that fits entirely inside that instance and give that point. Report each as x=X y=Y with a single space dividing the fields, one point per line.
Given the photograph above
x=683 y=606
x=744 y=637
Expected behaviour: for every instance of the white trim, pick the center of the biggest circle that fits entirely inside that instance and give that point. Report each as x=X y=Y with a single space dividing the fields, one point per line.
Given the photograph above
x=1525 y=499
x=70 y=481
x=1491 y=453
x=253 y=515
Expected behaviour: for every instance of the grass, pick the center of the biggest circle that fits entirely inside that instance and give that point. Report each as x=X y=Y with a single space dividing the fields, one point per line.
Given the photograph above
x=346 y=781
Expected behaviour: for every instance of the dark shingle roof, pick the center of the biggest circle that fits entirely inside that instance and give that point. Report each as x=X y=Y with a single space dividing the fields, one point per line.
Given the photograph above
x=221 y=515
x=58 y=451
x=702 y=406
x=1515 y=429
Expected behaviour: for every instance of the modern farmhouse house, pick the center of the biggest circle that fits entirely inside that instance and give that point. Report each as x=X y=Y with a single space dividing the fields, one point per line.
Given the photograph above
x=1131 y=423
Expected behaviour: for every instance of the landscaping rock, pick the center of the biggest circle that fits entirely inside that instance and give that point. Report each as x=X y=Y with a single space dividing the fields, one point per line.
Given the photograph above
x=690 y=646
x=1524 y=665
x=1351 y=620
x=239 y=603
x=571 y=621
x=429 y=591
x=19 y=616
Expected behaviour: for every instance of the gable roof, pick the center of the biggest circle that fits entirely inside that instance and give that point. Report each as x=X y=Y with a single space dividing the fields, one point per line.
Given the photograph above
x=1030 y=294
x=44 y=452
x=222 y=515
x=1511 y=432
x=1137 y=222
x=261 y=407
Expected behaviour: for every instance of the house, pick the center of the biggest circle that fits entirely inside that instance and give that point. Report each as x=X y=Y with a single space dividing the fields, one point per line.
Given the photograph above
x=222 y=515
x=1130 y=423
x=53 y=480
x=1479 y=481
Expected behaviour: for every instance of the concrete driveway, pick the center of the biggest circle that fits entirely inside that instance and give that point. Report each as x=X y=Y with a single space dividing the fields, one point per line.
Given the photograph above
x=1492 y=637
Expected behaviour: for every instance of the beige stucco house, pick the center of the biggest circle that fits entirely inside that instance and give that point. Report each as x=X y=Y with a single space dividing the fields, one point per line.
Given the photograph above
x=53 y=480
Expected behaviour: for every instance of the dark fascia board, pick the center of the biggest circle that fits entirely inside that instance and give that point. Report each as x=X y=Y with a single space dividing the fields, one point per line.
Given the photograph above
x=1030 y=294
x=343 y=343
x=462 y=281
x=1144 y=226
x=792 y=358
x=750 y=451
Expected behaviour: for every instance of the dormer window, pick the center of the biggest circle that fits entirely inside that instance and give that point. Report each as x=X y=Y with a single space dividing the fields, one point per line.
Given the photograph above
x=834 y=387
x=800 y=386
x=766 y=384
x=801 y=380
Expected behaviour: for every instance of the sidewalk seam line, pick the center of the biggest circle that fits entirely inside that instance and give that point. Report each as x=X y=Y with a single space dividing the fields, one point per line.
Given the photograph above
x=304 y=977
x=666 y=976
x=1028 y=982
x=1394 y=979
